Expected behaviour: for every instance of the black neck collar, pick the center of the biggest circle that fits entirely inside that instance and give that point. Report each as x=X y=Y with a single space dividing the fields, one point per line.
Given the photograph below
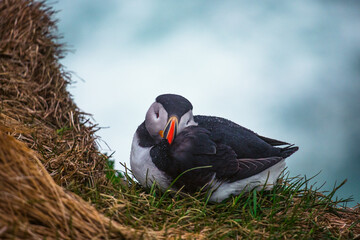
x=145 y=140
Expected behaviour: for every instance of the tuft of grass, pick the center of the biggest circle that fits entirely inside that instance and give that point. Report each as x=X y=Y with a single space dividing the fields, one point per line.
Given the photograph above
x=294 y=208
x=115 y=177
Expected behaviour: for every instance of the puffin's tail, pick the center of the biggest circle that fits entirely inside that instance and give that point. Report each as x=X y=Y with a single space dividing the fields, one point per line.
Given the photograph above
x=288 y=151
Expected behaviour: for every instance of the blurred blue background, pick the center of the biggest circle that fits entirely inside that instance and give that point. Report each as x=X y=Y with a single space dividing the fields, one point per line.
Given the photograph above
x=289 y=70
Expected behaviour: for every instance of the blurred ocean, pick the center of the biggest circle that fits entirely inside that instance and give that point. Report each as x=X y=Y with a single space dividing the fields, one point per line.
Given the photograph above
x=289 y=70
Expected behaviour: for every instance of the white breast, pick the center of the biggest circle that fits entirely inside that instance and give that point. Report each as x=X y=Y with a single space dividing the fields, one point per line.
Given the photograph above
x=143 y=168
x=223 y=190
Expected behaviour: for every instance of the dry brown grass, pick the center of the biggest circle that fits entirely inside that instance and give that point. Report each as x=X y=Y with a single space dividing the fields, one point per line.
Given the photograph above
x=36 y=109
x=35 y=105
x=33 y=206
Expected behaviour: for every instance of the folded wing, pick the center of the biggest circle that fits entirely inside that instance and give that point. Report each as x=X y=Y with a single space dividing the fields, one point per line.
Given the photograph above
x=194 y=148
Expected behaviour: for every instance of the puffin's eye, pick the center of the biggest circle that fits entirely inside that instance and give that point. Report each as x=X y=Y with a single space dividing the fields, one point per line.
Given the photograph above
x=157 y=115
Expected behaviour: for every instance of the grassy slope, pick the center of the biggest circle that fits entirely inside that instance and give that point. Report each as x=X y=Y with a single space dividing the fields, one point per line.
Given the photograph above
x=293 y=209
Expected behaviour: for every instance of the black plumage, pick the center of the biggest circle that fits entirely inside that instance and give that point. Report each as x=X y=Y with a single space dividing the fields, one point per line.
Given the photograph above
x=220 y=146
x=174 y=104
x=243 y=141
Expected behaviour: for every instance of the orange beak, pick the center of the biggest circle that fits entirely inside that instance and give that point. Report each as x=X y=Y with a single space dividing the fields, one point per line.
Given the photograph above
x=170 y=129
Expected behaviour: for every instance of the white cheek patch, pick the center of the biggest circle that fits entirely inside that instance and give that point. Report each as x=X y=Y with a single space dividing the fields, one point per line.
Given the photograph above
x=163 y=116
x=187 y=120
x=156 y=119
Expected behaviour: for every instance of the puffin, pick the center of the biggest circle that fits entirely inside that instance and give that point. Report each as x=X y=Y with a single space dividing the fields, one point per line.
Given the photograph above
x=175 y=149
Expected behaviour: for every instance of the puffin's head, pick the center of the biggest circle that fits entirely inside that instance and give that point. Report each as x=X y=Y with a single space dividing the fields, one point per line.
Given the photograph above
x=168 y=116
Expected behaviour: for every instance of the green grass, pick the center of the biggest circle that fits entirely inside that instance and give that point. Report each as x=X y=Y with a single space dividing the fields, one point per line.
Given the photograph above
x=292 y=209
